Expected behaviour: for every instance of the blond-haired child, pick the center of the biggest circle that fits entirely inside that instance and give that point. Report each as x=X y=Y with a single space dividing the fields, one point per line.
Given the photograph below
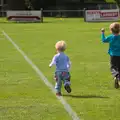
x=114 y=50
x=63 y=64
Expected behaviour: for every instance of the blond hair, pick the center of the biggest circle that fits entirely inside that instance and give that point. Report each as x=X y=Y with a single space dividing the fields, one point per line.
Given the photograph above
x=115 y=28
x=60 y=46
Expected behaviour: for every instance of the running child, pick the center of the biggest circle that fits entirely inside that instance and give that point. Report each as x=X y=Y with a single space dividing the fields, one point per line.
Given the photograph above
x=114 y=50
x=62 y=63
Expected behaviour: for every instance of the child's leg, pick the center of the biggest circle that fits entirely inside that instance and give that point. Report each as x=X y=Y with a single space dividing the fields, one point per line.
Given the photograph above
x=58 y=84
x=66 y=80
x=119 y=66
x=114 y=66
x=115 y=70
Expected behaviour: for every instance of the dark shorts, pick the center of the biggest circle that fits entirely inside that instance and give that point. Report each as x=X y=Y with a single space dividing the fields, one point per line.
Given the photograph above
x=115 y=65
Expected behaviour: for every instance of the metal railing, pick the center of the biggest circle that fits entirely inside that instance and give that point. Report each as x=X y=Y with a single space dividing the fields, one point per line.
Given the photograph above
x=63 y=13
x=2 y=13
x=55 y=13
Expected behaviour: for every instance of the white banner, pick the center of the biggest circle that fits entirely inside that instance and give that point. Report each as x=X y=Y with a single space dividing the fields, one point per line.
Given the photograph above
x=102 y=15
x=25 y=16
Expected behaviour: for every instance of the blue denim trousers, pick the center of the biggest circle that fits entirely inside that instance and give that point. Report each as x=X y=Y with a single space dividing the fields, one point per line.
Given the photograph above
x=61 y=77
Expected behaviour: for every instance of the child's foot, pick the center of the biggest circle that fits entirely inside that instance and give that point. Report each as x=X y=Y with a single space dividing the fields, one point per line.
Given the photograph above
x=59 y=94
x=116 y=83
x=67 y=88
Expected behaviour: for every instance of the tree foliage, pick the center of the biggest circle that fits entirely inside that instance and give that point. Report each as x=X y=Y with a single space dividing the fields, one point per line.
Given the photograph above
x=118 y=3
x=20 y=4
x=29 y=5
x=16 y=4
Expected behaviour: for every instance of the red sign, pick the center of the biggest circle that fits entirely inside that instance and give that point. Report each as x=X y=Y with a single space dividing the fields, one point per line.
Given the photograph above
x=109 y=14
x=102 y=15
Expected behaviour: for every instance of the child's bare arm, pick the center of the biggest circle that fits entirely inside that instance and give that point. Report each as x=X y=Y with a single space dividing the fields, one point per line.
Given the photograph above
x=102 y=30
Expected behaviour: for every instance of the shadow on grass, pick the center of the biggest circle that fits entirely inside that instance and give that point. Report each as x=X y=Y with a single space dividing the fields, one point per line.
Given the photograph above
x=19 y=22
x=12 y=22
x=84 y=96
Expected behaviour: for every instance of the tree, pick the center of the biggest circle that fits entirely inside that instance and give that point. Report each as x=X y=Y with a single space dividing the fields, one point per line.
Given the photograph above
x=118 y=3
x=82 y=4
x=29 y=4
x=16 y=4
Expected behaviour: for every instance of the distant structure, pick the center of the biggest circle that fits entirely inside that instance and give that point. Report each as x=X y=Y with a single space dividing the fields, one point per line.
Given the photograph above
x=3 y=7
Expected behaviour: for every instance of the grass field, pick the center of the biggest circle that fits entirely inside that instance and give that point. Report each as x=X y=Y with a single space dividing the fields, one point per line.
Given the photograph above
x=23 y=96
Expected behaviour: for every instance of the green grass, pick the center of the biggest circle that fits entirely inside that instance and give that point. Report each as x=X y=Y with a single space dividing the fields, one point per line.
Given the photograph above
x=23 y=96
x=110 y=1
x=96 y=1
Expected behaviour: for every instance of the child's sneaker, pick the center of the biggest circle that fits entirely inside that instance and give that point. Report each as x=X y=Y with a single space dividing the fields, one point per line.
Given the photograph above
x=118 y=79
x=67 y=88
x=58 y=94
x=116 y=83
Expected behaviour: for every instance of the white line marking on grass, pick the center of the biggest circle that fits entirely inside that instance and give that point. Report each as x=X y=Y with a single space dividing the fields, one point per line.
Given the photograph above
x=44 y=79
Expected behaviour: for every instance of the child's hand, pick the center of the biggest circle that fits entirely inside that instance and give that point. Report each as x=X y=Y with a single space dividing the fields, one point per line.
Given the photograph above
x=49 y=66
x=102 y=30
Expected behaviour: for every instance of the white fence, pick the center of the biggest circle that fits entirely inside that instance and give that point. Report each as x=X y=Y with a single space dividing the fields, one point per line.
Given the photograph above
x=25 y=16
x=102 y=15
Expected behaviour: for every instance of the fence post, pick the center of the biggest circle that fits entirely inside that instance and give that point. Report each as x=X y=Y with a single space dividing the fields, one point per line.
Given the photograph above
x=41 y=15
x=84 y=14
